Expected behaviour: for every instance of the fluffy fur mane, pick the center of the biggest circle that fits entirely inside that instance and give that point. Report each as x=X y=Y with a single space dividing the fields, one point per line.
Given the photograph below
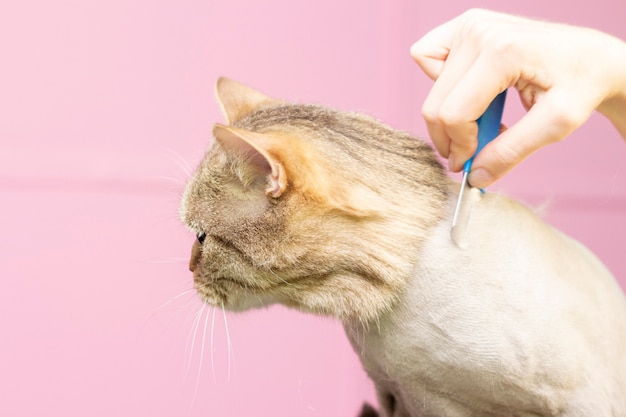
x=310 y=207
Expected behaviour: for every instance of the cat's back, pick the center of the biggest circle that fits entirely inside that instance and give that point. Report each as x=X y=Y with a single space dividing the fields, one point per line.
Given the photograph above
x=523 y=319
x=511 y=245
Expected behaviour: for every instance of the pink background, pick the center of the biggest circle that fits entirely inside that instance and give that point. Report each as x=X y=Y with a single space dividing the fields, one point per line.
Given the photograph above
x=103 y=107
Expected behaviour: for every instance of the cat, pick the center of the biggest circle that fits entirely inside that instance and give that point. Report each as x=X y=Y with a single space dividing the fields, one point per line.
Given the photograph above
x=337 y=214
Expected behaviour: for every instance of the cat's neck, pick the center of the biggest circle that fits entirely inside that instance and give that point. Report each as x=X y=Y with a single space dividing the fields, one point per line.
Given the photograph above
x=389 y=249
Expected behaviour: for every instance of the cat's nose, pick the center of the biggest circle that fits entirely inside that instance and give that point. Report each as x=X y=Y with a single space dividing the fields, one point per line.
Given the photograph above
x=195 y=255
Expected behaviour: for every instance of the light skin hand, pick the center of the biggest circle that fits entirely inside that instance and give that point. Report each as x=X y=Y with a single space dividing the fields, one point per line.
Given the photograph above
x=562 y=73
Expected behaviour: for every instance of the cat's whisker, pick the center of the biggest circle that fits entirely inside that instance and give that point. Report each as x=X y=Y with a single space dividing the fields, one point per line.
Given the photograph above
x=187 y=302
x=279 y=277
x=169 y=180
x=176 y=297
x=193 y=340
x=195 y=391
x=187 y=318
x=175 y=260
x=258 y=297
x=227 y=339
x=180 y=162
x=197 y=322
x=212 y=350
x=168 y=302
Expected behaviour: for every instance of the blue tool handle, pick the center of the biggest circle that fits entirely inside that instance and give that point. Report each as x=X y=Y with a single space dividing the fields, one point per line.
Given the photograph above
x=488 y=126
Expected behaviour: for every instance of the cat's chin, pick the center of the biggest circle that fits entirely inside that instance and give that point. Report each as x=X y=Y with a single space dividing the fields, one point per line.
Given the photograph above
x=234 y=300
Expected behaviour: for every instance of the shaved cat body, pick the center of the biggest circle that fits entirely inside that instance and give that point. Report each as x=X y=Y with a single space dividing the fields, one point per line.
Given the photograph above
x=524 y=322
x=336 y=214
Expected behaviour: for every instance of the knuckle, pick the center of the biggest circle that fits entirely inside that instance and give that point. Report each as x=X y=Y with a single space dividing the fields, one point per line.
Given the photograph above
x=462 y=150
x=473 y=25
x=418 y=50
x=503 y=48
x=566 y=122
x=567 y=115
x=474 y=15
x=506 y=156
x=449 y=116
x=430 y=113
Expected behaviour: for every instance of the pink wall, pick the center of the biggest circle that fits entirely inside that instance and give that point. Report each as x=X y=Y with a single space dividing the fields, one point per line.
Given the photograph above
x=103 y=106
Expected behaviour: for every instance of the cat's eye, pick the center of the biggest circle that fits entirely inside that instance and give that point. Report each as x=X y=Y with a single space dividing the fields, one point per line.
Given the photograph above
x=201 y=237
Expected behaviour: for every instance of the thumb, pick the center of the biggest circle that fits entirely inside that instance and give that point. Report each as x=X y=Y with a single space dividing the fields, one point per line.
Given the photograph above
x=545 y=123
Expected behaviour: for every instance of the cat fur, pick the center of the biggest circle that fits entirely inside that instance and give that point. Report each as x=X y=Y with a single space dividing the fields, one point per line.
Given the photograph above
x=336 y=214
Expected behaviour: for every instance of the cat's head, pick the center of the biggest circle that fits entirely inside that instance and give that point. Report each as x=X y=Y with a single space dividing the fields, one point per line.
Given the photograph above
x=309 y=207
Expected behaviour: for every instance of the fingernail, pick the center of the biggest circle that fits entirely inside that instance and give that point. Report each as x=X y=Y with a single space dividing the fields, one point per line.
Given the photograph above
x=480 y=178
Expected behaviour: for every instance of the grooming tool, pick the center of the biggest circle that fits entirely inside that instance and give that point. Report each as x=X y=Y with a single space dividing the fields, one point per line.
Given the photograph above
x=488 y=129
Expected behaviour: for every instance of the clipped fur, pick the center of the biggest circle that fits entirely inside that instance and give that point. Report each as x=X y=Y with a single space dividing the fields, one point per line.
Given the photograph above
x=334 y=213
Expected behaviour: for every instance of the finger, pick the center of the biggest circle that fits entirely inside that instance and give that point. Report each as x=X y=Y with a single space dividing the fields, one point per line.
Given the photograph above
x=548 y=121
x=461 y=151
x=457 y=158
x=431 y=51
x=434 y=112
x=438 y=136
x=468 y=100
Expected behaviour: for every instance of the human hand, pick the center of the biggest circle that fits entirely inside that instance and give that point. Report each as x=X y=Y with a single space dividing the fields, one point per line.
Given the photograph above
x=562 y=73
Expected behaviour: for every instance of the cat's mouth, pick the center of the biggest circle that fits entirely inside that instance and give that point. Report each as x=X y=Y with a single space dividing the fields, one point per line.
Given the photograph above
x=234 y=294
x=212 y=294
x=225 y=283
x=201 y=279
x=226 y=291
x=231 y=294
x=221 y=290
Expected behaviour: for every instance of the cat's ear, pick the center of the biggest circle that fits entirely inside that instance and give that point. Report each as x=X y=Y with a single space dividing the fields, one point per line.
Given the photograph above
x=237 y=100
x=254 y=148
